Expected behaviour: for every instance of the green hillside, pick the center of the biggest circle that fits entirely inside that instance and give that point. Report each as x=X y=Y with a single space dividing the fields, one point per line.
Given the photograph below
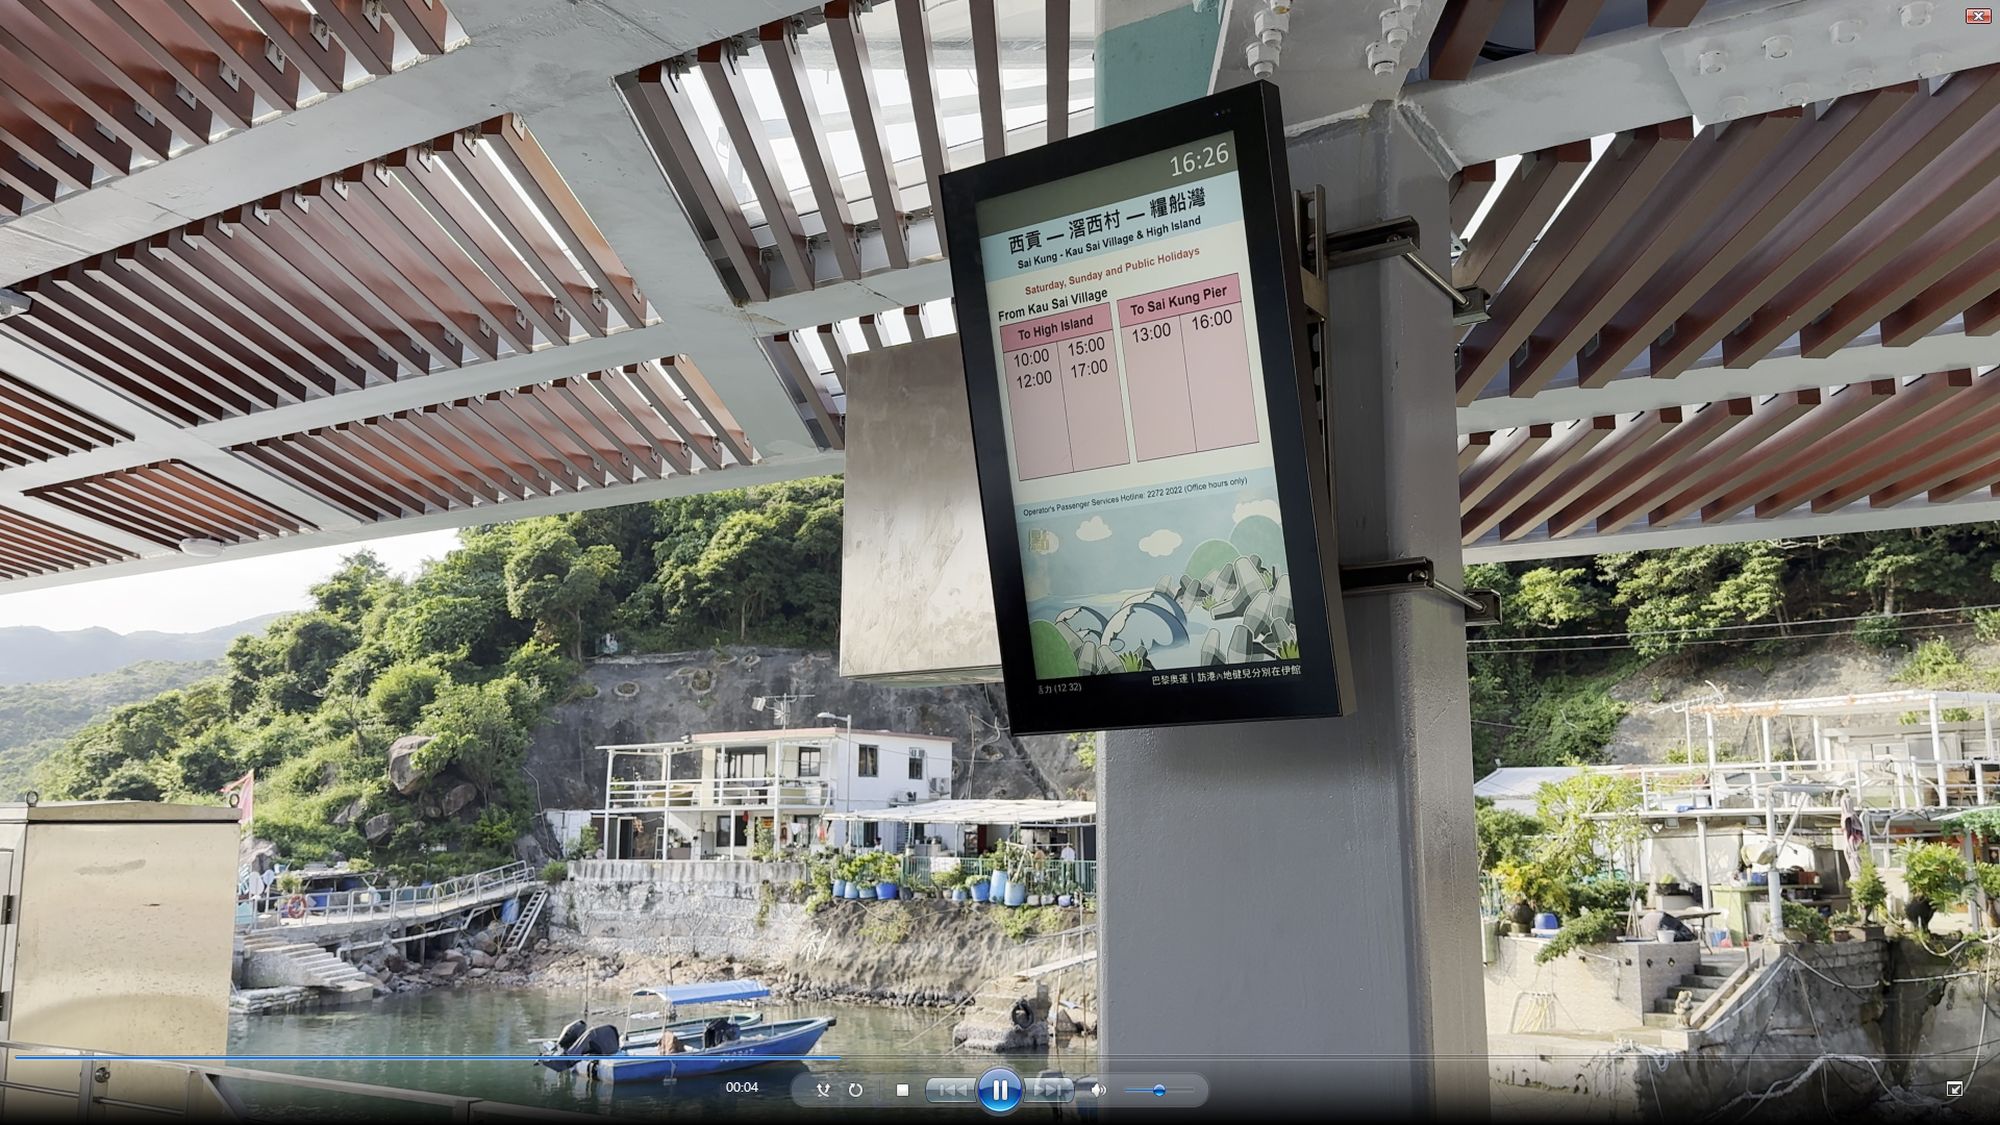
x=470 y=652
x=1576 y=628
x=36 y=718
x=474 y=649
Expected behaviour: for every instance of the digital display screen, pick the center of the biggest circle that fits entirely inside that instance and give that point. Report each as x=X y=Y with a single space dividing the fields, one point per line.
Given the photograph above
x=1138 y=435
x=1155 y=499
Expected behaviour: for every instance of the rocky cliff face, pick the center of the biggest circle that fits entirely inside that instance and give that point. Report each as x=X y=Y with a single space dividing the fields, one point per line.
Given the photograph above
x=656 y=698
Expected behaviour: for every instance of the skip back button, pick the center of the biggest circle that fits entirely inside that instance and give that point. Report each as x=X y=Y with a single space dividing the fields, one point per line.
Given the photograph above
x=950 y=1091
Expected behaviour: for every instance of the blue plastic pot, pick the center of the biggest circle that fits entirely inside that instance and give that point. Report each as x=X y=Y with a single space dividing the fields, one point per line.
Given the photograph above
x=865 y=890
x=886 y=890
x=840 y=888
x=853 y=891
x=958 y=894
x=980 y=889
x=1017 y=893
x=999 y=881
x=1065 y=900
x=1546 y=921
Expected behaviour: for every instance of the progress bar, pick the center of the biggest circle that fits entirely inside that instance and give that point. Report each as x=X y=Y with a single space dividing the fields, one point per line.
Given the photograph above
x=366 y=1058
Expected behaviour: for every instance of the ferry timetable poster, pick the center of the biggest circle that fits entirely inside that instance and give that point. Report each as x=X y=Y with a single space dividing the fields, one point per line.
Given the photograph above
x=1159 y=519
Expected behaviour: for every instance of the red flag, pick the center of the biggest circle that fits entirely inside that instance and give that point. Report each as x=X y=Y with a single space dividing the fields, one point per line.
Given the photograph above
x=245 y=789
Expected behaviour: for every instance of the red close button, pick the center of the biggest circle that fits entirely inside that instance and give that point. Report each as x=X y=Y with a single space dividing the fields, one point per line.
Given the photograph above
x=1979 y=15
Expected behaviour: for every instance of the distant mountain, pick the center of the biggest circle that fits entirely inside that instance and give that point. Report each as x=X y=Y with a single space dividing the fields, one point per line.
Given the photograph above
x=32 y=655
x=35 y=719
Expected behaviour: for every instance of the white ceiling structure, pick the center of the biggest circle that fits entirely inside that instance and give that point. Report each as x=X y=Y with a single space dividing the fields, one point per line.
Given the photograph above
x=306 y=273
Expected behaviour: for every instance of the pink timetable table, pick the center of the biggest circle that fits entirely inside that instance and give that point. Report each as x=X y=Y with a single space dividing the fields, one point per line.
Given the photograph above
x=1063 y=395
x=1187 y=362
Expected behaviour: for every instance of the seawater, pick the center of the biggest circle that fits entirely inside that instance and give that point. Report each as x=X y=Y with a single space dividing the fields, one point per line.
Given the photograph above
x=877 y=1047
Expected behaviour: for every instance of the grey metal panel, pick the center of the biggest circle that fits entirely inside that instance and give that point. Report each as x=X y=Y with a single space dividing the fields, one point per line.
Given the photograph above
x=916 y=600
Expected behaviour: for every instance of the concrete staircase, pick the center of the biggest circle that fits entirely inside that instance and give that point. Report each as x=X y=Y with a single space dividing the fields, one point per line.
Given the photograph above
x=988 y=1024
x=1706 y=980
x=270 y=961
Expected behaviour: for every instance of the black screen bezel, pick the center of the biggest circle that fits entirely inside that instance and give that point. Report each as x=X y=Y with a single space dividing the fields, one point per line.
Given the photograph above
x=1299 y=450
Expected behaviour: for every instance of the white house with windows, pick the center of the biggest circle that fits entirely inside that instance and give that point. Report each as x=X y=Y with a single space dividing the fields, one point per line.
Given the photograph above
x=712 y=795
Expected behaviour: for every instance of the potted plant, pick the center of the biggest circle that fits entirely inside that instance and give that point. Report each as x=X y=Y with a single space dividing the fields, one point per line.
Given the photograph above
x=1935 y=874
x=1868 y=895
x=888 y=868
x=951 y=884
x=980 y=887
x=1987 y=875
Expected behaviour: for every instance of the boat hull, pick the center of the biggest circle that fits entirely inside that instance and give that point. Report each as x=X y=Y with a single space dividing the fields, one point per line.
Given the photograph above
x=646 y=1039
x=778 y=1042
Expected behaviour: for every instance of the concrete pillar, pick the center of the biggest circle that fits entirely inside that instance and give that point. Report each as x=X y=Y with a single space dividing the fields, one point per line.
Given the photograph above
x=1306 y=888
x=1701 y=845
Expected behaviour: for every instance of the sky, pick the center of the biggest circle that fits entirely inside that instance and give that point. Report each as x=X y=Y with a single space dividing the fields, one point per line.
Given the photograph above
x=191 y=599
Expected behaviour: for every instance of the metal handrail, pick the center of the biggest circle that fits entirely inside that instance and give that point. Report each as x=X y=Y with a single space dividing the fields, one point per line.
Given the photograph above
x=1895 y=782
x=1059 y=876
x=97 y=1070
x=394 y=902
x=717 y=792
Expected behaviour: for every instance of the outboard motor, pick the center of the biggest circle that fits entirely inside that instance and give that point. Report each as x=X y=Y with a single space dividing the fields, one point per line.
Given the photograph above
x=569 y=1037
x=719 y=1031
x=600 y=1040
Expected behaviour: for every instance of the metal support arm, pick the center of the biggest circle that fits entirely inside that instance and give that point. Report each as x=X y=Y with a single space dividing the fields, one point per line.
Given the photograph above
x=1482 y=607
x=1399 y=238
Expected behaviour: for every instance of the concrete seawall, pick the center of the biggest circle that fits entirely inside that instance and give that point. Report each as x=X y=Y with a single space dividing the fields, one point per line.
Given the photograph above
x=923 y=951
x=1821 y=1031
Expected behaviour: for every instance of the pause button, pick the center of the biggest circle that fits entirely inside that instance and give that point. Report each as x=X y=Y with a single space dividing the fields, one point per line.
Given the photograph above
x=1000 y=1090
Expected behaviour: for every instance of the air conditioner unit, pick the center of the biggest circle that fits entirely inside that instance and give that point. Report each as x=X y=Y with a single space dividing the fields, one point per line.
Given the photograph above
x=940 y=787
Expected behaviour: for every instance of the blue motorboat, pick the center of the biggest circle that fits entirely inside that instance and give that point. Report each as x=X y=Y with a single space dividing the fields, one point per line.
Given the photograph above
x=581 y=1041
x=723 y=1048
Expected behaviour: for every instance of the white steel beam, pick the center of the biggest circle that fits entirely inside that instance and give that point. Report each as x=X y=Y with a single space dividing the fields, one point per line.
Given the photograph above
x=674 y=484
x=1979 y=507
x=1945 y=348
x=1736 y=59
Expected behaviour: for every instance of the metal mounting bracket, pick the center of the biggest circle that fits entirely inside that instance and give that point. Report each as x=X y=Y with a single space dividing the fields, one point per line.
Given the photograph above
x=1398 y=238
x=1311 y=209
x=13 y=303
x=1482 y=607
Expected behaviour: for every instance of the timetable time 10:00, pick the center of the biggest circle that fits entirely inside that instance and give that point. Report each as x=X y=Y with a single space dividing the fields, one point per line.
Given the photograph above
x=1201 y=159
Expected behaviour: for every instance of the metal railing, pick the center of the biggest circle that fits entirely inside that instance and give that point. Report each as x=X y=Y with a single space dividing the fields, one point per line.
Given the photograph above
x=202 y=1091
x=1878 y=783
x=1046 y=876
x=640 y=795
x=394 y=902
x=711 y=868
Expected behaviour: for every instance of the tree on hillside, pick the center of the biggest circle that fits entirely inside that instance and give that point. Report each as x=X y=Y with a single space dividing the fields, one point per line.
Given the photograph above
x=775 y=566
x=120 y=757
x=351 y=591
x=481 y=729
x=1681 y=596
x=400 y=694
x=557 y=584
x=455 y=611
